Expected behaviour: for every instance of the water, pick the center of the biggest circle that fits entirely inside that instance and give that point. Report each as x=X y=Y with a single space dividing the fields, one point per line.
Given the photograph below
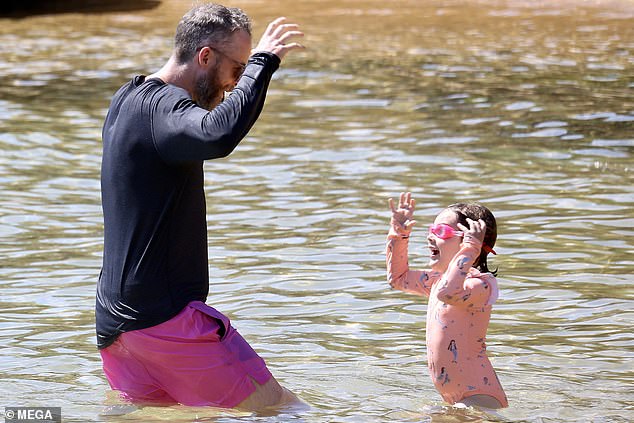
x=525 y=106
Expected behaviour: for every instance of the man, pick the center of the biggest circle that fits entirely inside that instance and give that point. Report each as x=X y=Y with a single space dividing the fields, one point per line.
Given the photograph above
x=158 y=340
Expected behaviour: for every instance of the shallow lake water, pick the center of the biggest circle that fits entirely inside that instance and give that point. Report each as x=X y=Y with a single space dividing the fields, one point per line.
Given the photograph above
x=524 y=106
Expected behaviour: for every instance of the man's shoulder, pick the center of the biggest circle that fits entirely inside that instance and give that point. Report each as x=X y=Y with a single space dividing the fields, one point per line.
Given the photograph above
x=142 y=93
x=141 y=85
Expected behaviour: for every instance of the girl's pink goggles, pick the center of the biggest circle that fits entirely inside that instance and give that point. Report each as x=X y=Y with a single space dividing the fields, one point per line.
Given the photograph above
x=444 y=231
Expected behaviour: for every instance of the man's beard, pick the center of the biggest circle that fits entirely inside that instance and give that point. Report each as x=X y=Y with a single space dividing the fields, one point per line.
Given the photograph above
x=208 y=91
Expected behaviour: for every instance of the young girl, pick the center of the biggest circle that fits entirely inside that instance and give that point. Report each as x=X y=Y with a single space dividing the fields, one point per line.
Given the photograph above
x=461 y=291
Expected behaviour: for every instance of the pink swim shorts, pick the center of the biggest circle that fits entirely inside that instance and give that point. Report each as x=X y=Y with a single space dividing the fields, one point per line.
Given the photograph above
x=196 y=358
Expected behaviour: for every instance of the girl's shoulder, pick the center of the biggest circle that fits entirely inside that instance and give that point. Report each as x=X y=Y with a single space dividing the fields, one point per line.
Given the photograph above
x=475 y=273
x=486 y=281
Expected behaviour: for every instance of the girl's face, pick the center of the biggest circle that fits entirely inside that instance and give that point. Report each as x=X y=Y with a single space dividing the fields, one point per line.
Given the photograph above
x=442 y=251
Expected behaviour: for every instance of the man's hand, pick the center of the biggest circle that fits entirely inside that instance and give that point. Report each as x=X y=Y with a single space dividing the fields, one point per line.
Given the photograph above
x=401 y=223
x=275 y=38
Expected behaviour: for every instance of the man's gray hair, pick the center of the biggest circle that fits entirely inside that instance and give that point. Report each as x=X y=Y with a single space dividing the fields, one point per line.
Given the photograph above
x=208 y=24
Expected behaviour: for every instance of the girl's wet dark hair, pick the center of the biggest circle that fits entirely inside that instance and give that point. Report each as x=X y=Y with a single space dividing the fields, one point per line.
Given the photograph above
x=211 y=24
x=474 y=212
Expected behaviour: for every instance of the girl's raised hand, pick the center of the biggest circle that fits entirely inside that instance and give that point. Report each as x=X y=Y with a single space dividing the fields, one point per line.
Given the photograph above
x=401 y=222
x=476 y=230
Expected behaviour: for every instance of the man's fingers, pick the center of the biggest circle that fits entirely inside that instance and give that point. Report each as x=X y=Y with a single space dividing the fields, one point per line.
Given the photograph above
x=274 y=24
x=391 y=203
x=281 y=29
x=277 y=36
x=290 y=34
x=291 y=46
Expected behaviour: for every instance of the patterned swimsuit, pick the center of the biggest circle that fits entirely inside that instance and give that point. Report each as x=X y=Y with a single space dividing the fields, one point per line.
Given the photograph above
x=458 y=314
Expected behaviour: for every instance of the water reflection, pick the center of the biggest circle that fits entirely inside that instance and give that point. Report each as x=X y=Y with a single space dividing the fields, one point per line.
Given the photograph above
x=526 y=107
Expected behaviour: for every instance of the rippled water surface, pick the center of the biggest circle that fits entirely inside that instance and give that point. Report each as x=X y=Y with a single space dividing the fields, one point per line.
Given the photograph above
x=526 y=106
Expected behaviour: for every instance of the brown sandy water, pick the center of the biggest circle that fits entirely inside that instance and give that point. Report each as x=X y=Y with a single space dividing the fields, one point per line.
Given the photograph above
x=525 y=106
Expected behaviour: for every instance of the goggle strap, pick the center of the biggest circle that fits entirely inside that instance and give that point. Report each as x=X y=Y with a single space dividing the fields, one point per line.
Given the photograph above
x=489 y=249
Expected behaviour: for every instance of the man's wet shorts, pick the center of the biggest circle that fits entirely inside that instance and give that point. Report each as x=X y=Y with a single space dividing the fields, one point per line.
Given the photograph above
x=197 y=358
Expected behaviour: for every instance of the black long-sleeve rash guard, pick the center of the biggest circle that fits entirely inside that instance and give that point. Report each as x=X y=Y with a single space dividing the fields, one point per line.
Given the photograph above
x=155 y=139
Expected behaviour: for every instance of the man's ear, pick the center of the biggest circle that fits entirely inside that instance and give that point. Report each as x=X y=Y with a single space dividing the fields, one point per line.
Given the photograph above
x=204 y=56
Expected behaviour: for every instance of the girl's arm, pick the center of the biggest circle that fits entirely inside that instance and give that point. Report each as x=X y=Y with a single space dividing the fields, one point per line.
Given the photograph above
x=398 y=274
